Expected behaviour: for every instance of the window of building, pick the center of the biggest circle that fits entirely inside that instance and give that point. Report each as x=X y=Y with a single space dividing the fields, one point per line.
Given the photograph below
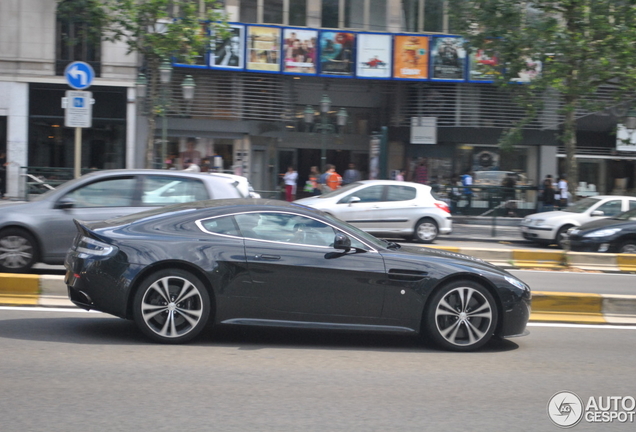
x=354 y=14
x=298 y=12
x=424 y=15
x=330 y=13
x=286 y=12
x=248 y=11
x=78 y=35
x=273 y=11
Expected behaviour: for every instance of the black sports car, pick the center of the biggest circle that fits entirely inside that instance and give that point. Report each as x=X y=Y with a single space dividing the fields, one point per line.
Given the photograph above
x=615 y=235
x=272 y=263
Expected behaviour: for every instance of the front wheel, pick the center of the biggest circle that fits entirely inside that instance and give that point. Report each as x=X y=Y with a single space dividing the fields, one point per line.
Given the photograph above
x=562 y=236
x=171 y=306
x=462 y=316
x=426 y=230
x=628 y=247
x=18 y=251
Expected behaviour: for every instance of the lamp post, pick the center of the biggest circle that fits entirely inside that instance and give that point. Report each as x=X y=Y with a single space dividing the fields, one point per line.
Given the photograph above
x=325 y=126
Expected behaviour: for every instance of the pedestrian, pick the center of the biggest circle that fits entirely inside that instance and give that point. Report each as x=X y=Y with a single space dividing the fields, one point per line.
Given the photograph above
x=547 y=198
x=351 y=175
x=191 y=166
x=314 y=176
x=467 y=182
x=508 y=188
x=421 y=172
x=454 y=193
x=290 y=178
x=332 y=180
x=541 y=190
x=400 y=175
x=562 y=186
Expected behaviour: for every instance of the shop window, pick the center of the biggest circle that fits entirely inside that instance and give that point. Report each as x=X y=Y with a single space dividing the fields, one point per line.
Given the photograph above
x=78 y=35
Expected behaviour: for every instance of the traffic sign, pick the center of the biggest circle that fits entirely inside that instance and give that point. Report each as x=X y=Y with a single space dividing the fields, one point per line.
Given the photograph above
x=79 y=75
x=79 y=109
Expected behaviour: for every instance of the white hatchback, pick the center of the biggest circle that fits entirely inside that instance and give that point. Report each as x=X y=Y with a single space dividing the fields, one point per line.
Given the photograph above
x=387 y=208
x=552 y=227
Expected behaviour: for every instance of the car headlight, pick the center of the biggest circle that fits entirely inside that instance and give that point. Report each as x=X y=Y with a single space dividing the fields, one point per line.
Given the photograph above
x=539 y=222
x=516 y=283
x=603 y=233
x=90 y=247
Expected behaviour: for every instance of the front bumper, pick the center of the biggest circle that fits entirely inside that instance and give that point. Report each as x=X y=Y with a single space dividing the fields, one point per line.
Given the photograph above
x=594 y=244
x=538 y=232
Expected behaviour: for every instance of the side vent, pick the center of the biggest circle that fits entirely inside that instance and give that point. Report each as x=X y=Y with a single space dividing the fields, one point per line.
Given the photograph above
x=407 y=275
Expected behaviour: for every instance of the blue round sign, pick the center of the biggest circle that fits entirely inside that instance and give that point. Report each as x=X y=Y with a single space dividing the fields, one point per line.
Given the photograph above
x=79 y=75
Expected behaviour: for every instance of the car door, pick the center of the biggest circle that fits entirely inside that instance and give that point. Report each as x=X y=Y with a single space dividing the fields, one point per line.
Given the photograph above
x=398 y=207
x=361 y=207
x=298 y=276
x=96 y=201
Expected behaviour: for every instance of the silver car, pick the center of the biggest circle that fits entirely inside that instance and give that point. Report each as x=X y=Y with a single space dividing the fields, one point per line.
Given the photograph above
x=387 y=208
x=42 y=230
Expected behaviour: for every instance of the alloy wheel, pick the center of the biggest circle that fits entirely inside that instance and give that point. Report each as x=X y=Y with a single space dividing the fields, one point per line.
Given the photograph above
x=628 y=248
x=426 y=231
x=17 y=252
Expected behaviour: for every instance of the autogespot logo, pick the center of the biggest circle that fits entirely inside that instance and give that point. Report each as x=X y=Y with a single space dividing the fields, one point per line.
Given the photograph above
x=565 y=409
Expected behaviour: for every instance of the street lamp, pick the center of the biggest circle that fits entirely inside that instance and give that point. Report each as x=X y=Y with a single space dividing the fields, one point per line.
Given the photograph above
x=187 y=88
x=324 y=126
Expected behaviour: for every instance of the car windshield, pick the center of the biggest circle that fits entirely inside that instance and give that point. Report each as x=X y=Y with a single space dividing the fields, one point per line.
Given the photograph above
x=582 y=206
x=340 y=191
x=628 y=215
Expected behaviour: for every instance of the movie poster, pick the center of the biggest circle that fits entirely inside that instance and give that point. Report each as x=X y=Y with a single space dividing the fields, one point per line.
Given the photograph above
x=374 y=56
x=336 y=53
x=531 y=72
x=263 y=49
x=411 y=55
x=482 y=66
x=300 y=48
x=228 y=53
x=448 y=58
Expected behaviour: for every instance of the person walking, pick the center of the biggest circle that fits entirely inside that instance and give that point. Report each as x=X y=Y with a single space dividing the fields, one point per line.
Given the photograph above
x=314 y=177
x=421 y=172
x=454 y=193
x=332 y=180
x=562 y=186
x=467 y=182
x=290 y=178
x=508 y=184
x=547 y=198
x=351 y=175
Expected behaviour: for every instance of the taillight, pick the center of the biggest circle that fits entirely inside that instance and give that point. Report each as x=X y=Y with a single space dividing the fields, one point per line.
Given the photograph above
x=442 y=206
x=90 y=247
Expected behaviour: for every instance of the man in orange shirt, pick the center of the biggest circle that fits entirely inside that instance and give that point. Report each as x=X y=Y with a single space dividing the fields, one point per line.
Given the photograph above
x=333 y=179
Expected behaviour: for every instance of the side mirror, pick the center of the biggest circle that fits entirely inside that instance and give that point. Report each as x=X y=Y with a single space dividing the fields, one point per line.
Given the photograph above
x=65 y=203
x=342 y=242
x=598 y=213
x=353 y=199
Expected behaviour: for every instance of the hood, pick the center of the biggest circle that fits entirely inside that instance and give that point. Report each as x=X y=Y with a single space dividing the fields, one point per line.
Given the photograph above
x=457 y=258
x=606 y=223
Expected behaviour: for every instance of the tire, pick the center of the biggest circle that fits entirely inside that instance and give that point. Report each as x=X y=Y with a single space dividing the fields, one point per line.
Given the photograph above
x=628 y=246
x=426 y=231
x=171 y=306
x=461 y=316
x=18 y=251
x=561 y=235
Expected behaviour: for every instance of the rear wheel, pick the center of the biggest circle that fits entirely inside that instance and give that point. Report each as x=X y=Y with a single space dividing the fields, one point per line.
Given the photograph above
x=628 y=246
x=562 y=235
x=461 y=316
x=426 y=230
x=172 y=306
x=18 y=251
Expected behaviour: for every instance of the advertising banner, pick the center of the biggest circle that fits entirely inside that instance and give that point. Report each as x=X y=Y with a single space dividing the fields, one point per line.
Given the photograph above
x=482 y=67
x=374 y=56
x=263 y=48
x=300 y=48
x=448 y=59
x=336 y=53
x=411 y=55
x=228 y=53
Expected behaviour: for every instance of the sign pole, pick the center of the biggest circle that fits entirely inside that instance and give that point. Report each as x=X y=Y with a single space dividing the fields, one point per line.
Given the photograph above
x=78 y=152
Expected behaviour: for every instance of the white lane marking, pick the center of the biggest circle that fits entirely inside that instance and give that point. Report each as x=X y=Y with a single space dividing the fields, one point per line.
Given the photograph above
x=588 y=326
x=45 y=309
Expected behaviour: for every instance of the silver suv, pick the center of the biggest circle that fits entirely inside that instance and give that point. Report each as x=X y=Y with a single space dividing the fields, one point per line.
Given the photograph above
x=42 y=230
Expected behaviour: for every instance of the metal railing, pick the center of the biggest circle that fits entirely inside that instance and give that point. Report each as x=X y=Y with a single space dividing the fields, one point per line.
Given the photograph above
x=518 y=201
x=38 y=180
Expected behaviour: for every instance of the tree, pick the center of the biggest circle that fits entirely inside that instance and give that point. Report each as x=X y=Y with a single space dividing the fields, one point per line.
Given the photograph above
x=160 y=30
x=580 y=46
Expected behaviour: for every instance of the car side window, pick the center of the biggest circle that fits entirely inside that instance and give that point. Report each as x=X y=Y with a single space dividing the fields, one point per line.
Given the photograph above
x=610 y=208
x=159 y=190
x=116 y=192
x=632 y=204
x=366 y=195
x=285 y=227
x=401 y=193
x=221 y=225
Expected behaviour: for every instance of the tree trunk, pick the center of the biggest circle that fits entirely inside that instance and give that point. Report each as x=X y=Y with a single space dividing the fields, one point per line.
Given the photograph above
x=150 y=144
x=569 y=139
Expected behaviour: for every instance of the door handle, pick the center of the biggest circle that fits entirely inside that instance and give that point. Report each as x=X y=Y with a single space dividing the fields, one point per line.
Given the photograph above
x=265 y=257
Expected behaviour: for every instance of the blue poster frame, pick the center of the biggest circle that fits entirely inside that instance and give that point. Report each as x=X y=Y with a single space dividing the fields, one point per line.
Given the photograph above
x=357 y=53
x=328 y=75
x=428 y=54
x=246 y=52
x=317 y=51
x=431 y=64
x=242 y=28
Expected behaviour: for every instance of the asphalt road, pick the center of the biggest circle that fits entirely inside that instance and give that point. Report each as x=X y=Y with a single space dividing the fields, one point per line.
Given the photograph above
x=77 y=371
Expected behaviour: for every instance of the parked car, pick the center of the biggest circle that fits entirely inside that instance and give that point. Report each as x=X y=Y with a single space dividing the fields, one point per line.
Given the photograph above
x=552 y=227
x=42 y=230
x=243 y=184
x=273 y=263
x=615 y=235
x=387 y=207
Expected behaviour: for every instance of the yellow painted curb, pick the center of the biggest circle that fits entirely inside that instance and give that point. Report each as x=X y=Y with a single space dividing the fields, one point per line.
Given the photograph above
x=19 y=289
x=529 y=258
x=567 y=307
x=626 y=262
x=446 y=248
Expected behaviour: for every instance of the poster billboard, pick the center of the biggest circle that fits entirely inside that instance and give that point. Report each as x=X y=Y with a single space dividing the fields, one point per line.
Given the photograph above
x=228 y=53
x=263 y=48
x=373 y=55
x=337 y=53
x=482 y=67
x=411 y=54
x=448 y=58
x=300 y=49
